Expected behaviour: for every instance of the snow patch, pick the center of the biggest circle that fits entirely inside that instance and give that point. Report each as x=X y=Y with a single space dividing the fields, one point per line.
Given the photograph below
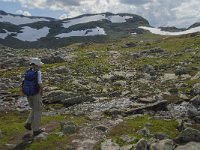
x=158 y=31
x=87 y=32
x=17 y=20
x=118 y=19
x=30 y=34
x=4 y=35
x=86 y=19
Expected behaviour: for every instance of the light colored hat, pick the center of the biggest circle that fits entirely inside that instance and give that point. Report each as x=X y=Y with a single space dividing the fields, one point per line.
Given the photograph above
x=36 y=61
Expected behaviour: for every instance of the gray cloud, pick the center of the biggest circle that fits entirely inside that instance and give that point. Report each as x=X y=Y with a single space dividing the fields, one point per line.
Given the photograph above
x=135 y=2
x=65 y=2
x=180 y=13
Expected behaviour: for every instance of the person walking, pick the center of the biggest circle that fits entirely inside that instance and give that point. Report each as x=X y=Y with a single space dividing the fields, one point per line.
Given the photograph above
x=32 y=88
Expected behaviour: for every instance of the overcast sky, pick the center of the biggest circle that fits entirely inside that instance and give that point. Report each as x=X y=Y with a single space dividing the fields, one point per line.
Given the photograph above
x=179 y=13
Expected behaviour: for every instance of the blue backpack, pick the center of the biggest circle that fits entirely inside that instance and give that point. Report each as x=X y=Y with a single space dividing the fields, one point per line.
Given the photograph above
x=30 y=85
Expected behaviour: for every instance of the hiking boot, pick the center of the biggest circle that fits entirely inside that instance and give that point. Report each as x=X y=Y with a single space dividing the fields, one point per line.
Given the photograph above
x=35 y=133
x=28 y=126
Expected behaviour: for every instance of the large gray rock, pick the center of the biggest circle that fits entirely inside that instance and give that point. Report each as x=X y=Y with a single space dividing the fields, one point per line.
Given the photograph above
x=166 y=144
x=193 y=112
x=52 y=59
x=77 y=100
x=160 y=136
x=180 y=70
x=189 y=146
x=61 y=70
x=195 y=101
x=135 y=55
x=68 y=127
x=141 y=145
x=87 y=144
x=157 y=106
x=57 y=96
x=41 y=137
x=196 y=89
x=149 y=69
x=109 y=145
x=102 y=128
x=188 y=135
x=168 y=76
x=113 y=76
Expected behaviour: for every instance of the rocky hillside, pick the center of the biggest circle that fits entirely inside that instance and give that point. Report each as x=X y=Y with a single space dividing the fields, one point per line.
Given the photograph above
x=135 y=93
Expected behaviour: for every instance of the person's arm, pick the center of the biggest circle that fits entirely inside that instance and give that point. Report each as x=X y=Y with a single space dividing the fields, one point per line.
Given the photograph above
x=40 y=83
x=40 y=89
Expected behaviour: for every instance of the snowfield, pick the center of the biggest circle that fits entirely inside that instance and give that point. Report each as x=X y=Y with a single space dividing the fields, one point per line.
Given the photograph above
x=31 y=35
x=4 y=35
x=158 y=31
x=86 y=19
x=87 y=32
x=18 y=20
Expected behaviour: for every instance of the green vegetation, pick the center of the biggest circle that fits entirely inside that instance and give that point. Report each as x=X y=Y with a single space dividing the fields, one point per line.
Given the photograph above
x=131 y=126
x=11 y=125
x=11 y=72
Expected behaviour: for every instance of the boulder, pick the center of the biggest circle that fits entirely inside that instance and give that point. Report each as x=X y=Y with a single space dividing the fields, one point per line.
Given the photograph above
x=109 y=145
x=87 y=144
x=193 y=112
x=166 y=144
x=180 y=70
x=188 y=135
x=135 y=55
x=61 y=70
x=53 y=59
x=189 y=146
x=41 y=137
x=141 y=145
x=157 y=106
x=169 y=76
x=102 y=128
x=195 y=101
x=149 y=69
x=196 y=89
x=76 y=100
x=68 y=127
x=57 y=96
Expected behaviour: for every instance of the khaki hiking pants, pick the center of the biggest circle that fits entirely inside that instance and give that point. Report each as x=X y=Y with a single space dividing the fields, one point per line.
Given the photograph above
x=34 y=118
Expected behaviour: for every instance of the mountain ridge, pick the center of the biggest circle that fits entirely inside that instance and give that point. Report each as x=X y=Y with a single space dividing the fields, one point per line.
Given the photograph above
x=20 y=31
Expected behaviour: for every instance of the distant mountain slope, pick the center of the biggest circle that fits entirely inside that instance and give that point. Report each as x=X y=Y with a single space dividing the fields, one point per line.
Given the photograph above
x=20 y=19
x=21 y=31
x=197 y=24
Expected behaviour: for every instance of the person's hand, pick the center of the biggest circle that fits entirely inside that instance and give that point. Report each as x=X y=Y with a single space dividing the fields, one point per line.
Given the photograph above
x=21 y=93
x=41 y=92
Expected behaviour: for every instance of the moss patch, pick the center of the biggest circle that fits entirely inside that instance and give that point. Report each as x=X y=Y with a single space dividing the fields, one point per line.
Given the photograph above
x=131 y=126
x=11 y=125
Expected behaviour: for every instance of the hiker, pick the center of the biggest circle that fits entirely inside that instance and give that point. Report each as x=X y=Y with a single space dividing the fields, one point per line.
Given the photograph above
x=32 y=88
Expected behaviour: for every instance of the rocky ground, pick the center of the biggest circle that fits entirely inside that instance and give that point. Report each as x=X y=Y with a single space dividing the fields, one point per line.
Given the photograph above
x=112 y=97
